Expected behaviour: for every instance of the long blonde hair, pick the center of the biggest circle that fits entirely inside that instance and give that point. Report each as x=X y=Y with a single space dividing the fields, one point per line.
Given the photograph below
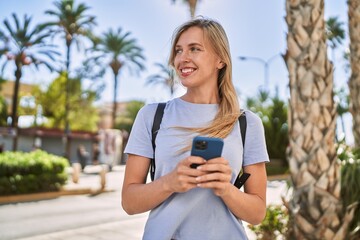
x=229 y=109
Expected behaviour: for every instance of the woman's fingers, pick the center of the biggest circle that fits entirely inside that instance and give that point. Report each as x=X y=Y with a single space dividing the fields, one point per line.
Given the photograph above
x=219 y=165
x=193 y=160
x=214 y=176
x=183 y=178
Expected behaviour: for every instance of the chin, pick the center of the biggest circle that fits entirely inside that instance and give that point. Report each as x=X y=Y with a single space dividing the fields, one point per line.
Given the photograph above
x=185 y=83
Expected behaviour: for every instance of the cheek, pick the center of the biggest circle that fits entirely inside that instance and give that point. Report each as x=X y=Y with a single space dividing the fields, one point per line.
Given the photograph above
x=176 y=62
x=176 y=65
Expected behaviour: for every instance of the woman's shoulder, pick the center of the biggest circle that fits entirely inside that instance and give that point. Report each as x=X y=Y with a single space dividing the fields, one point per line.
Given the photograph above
x=148 y=108
x=251 y=117
x=153 y=106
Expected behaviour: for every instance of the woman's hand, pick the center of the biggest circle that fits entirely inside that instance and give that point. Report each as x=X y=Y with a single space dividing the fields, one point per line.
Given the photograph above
x=216 y=174
x=183 y=177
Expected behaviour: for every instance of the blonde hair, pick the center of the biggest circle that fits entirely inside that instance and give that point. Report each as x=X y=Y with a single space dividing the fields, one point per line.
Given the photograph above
x=229 y=109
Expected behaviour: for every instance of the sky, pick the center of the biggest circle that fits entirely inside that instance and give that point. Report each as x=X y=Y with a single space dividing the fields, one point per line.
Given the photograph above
x=255 y=28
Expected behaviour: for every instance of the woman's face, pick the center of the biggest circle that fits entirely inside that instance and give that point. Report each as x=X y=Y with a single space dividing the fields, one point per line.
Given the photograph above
x=195 y=60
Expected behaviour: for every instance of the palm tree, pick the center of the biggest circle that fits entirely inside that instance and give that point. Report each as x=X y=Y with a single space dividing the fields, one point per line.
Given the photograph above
x=3 y=106
x=166 y=77
x=118 y=50
x=3 y=40
x=315 y=206
x=127 y=118
x=71 y=22
x=192 y=6
x=354 y=82
x=273 y=113
x=334 y=33
x=24 y=47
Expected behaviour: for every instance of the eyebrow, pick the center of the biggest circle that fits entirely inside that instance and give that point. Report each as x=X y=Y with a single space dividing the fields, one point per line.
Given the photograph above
x=191 y=45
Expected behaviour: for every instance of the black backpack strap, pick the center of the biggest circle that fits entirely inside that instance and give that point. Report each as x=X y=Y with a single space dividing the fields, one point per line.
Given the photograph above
x=241 y=178
x=154 y=131
x=243 y=125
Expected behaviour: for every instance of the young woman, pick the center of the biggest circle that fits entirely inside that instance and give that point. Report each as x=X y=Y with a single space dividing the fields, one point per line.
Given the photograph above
x=201 y=203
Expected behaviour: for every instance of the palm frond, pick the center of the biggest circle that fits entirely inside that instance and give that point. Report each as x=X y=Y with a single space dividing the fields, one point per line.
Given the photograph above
x=9 y=28
x=16 y=20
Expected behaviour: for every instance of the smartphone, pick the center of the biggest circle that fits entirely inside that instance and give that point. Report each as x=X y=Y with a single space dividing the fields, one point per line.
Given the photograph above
x=206 y=147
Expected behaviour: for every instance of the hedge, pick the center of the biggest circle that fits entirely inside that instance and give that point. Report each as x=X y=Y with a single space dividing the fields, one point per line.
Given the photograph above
x=33 y=172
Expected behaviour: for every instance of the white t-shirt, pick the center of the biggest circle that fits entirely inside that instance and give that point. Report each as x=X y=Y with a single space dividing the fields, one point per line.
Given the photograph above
x=198 y=213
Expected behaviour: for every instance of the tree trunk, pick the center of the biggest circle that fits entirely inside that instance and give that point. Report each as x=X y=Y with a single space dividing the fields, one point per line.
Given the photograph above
x=114 y=111
x=115 y=67
x=192 y=7
x=315 y=205
x=354 y=82
x=14 y=116
x=67 y=130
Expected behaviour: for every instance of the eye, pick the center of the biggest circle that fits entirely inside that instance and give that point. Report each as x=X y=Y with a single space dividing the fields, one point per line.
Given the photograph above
x=177 y=51
x=194 y=49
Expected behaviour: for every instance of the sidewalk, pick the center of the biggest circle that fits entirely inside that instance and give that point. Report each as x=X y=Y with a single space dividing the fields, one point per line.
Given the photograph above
x=126 y=227
x=130 y=229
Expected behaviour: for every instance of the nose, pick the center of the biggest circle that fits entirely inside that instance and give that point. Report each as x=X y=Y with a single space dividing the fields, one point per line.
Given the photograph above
x=184 y=57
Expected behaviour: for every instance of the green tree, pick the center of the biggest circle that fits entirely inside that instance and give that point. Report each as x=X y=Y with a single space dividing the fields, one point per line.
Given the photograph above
x=350 y=182
x=335 y=34
x=165 y=77
x=3 y=108
x=25 y=47
x=3 y=112
x=82 y=116
x=72 y=23
x=126 y=120
x=273 y=113
x=116 y=49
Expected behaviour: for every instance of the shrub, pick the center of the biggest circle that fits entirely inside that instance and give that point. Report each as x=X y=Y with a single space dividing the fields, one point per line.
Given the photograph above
x=37 y=171
x=350 y=184
x=273 y=113
x=275 y=224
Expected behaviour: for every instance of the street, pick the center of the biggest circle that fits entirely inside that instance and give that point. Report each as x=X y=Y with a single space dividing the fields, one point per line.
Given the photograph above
x=28 y=219
x=84 y=216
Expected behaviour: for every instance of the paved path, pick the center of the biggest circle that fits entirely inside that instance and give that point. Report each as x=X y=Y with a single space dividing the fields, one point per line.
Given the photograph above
x=86 y=216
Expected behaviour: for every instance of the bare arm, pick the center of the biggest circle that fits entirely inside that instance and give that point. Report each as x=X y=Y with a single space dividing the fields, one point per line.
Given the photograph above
x=249 y=205
x=139 y=197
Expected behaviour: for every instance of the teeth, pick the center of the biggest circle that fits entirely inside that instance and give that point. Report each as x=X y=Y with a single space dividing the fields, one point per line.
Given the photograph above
x=187 y=70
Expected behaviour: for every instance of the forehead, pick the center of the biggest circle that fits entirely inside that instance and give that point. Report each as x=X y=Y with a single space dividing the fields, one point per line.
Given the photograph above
x=191 y=36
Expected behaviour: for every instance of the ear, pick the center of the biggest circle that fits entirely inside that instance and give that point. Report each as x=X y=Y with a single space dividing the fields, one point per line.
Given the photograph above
x=220 y=65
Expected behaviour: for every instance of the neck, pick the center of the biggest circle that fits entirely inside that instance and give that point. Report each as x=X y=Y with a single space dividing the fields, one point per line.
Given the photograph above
x=201 y=98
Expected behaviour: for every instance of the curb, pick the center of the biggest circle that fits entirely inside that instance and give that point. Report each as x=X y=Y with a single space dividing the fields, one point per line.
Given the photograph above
x=51 y=195
x=68 y=189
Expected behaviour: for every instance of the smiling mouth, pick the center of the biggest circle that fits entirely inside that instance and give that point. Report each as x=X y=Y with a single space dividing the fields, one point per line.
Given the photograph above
x=187 y=70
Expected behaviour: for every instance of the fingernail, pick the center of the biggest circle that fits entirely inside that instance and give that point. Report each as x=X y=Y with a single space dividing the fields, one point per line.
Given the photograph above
x=199 y=167
x=198 y=178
